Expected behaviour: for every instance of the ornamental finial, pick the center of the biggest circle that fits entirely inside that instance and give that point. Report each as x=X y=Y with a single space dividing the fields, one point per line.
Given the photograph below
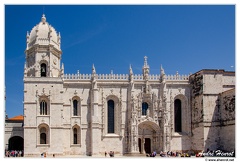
x=145 y=61
x=43 y=18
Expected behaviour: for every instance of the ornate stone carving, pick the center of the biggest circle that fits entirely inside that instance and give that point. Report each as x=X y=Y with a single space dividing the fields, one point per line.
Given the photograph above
x=229 y=103
x=228 y=108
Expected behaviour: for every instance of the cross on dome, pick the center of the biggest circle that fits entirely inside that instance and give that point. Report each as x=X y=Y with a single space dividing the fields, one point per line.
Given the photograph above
x=43 y=18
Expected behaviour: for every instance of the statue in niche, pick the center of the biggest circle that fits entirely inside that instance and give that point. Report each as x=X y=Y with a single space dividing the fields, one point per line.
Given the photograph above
x=164 y=97
x=147 y=112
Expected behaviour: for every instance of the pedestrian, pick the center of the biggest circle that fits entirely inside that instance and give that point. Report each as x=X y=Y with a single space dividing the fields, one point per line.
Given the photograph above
x=7 y=153
x=105 y=153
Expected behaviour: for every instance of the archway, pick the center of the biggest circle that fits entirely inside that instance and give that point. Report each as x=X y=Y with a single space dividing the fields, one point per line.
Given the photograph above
x=15 y=143
x=148 y=137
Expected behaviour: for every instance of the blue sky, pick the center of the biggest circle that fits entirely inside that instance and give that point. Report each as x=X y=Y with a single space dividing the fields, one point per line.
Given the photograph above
x=183 y=38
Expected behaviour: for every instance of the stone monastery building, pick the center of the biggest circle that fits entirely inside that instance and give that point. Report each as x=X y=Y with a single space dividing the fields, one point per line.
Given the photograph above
x=88 y=114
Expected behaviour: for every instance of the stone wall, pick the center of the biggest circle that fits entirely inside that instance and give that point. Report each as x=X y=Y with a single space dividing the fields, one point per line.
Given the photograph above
x=213 y=110
x=228 y=128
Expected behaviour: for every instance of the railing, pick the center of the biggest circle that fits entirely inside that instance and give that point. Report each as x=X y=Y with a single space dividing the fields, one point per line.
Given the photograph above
x=122 y=77
x=112 y=77
x=177 y=77
x=77 y=76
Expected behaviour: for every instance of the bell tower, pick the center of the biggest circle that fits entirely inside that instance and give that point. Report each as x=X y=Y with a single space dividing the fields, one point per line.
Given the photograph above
x=43 y=52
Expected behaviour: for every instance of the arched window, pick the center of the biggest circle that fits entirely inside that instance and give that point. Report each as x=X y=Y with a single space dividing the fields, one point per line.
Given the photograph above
x=144 y=108
x=43 y=108
x=110 y=116
x=43 y=136
x=177 y=115
x=43 y=70
x=75 y=108
x=75 y=136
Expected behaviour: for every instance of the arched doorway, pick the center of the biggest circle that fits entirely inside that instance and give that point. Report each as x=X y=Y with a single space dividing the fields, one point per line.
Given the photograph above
x=148 y=137
x=15 y=143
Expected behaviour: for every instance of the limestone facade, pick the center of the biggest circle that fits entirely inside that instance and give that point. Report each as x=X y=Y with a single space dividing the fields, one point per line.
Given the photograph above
x=88 y=114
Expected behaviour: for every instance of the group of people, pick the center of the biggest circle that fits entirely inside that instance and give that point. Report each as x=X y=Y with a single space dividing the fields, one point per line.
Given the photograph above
x=173 y=154
x=153 y=154
x=13 y=153
x=111 y=154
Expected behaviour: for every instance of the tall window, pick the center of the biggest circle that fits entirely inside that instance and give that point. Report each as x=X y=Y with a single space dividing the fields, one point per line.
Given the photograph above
x=177 y=115
x=144 y=108
x=75 y=136
x=75 y=108
x=43 y=107
x=43 y=70
x=110 y=116
x=43 y=136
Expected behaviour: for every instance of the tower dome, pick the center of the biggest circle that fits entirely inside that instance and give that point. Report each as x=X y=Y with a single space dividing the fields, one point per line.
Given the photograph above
x=43 y=34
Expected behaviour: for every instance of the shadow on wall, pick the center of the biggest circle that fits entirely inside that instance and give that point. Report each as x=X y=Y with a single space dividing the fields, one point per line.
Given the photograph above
x=88 y=132
x=221 y=131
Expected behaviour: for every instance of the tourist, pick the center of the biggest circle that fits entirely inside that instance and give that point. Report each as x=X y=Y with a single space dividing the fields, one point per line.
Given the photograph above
x=154 y=153
x=20 y=153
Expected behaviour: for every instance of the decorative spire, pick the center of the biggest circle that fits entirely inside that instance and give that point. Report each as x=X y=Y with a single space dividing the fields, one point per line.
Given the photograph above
x=27 y=36
x=93 y=69
x=130 y=70
x=145 y=69
x=94 y=85
x=130 y=74
x=62 y=70
x=163 y=77
x=162 y=70
x=62 y=66
x=145 y=61
x=25 y=69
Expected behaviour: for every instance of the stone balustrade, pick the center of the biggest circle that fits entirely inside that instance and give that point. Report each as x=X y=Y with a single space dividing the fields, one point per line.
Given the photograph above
x=151 y=77
x=177 y=77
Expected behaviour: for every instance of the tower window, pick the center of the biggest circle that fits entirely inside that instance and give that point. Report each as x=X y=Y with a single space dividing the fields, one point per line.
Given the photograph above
x=43 y=70
x=43 y=107
x=43 y=136
x=75 y=107
x=75 y=137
